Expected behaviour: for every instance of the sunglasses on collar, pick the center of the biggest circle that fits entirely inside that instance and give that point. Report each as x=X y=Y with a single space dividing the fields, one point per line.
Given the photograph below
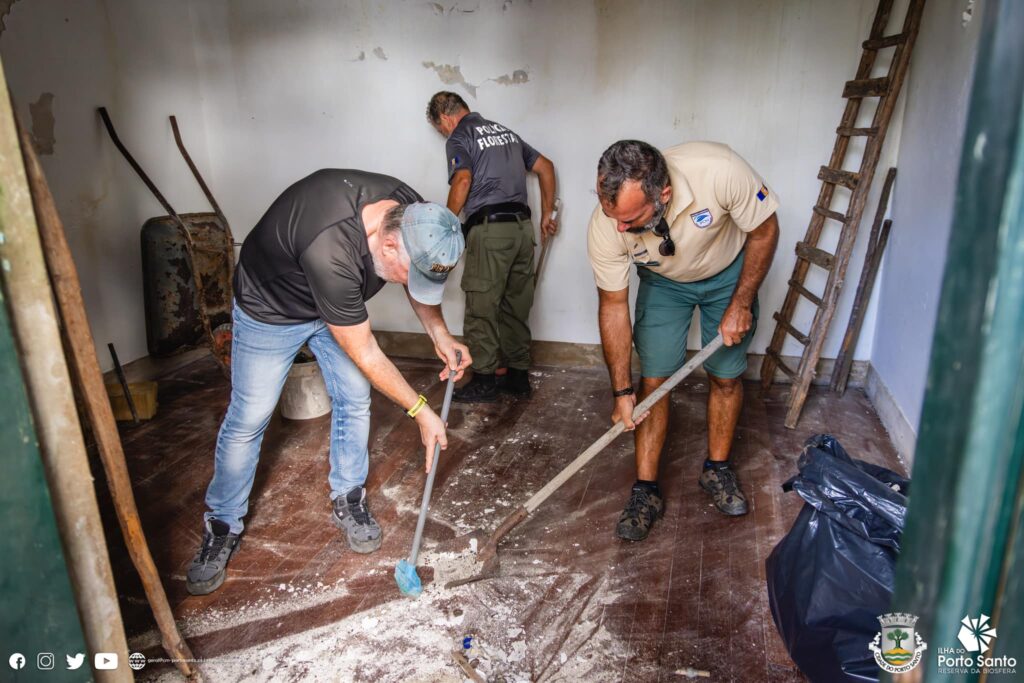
x=667 y=246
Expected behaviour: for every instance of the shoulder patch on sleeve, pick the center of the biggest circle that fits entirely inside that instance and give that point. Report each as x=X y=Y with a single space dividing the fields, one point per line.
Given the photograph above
x=762 y=194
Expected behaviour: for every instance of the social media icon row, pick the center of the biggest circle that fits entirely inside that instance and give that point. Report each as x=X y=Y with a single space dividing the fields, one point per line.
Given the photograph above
x=102 y=661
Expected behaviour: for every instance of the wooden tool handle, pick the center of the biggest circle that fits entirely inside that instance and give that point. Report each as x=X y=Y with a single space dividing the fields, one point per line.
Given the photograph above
x=488 y=554
x=609 y=436
x=82 y=358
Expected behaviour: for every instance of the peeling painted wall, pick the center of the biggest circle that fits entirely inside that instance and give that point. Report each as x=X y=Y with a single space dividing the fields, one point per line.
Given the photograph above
x=64 y=58
x=284 y=97
x=5 y=9
x=42 y=124
x=276 y=90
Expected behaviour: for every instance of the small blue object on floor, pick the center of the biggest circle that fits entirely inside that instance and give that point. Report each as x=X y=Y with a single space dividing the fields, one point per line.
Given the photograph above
x=405 y=571
x=408 y=580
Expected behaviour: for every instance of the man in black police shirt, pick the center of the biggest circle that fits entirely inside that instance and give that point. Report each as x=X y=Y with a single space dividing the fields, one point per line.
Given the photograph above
x=487 y=167
x=324 y=247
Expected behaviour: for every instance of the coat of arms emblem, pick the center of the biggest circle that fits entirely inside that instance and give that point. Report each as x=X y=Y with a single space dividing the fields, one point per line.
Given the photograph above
x=898 y=647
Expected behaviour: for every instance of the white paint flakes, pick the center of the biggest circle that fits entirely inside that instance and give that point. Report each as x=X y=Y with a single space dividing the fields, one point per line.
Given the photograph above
x=968 y=14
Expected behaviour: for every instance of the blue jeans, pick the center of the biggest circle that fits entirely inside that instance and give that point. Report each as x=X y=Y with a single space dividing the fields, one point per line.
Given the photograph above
x=261 y=356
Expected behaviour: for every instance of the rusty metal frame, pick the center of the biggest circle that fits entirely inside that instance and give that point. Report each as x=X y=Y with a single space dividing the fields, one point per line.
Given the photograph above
x=223 y=360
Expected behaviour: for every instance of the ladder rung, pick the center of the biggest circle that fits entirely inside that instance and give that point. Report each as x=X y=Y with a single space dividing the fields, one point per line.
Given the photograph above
x=838 y=177
x=887 y=41
x=795 y=333
x=782 y=366
x=829 y=213
x=866 y=87
x=816 y=256
x=850 y=132
x=806 y=293
x=884 y=91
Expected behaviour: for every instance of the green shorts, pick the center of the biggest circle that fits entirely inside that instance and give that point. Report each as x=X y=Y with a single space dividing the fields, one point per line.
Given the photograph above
x=664 y=309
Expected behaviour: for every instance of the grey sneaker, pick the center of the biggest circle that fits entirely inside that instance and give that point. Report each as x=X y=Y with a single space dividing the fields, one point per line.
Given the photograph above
x=724 y=488
x=210 y=565
x=352 y=516
x=644 y=506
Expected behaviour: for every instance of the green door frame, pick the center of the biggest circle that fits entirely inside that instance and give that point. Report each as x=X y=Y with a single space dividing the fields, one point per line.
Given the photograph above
x=39 y=614
x=963 y=532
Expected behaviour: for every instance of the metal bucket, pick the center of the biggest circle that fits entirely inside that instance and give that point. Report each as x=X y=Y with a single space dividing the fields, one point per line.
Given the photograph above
x=304 y=395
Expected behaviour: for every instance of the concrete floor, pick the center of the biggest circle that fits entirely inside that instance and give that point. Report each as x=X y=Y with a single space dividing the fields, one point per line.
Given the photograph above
x=572 y=602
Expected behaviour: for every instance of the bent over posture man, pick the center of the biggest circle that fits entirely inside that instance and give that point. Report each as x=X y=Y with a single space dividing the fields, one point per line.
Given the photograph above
x=324 y=247
x=487 y=166
x=699 y=225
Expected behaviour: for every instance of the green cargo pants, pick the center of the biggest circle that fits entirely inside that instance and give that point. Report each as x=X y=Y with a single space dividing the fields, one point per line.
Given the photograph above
x=498 y=282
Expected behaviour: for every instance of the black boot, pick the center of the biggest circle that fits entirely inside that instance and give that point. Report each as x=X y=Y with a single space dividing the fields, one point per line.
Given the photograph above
x=517 y=382
x=480 y=389
x=721 y=482
x=643 y=508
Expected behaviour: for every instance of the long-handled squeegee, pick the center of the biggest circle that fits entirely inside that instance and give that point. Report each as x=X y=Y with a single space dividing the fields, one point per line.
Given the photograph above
x=489 y=553
x=405 y=571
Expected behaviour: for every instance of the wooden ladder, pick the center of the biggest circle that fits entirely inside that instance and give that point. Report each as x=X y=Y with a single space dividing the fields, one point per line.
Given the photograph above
x=887 y=90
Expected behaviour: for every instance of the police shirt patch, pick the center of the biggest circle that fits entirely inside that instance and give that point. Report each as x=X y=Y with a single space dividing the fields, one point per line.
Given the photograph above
x=702 y=219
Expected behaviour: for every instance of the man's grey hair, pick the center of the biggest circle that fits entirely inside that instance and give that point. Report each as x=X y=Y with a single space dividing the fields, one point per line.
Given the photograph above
x=392 y=224
x=445 y=102
x=393 y=218
x=631 y=160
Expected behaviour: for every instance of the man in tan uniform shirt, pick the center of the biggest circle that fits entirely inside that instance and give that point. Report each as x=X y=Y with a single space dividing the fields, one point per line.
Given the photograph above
x=699 y=224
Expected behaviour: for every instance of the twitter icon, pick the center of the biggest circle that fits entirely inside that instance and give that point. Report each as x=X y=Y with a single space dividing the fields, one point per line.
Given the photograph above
x=75 y=662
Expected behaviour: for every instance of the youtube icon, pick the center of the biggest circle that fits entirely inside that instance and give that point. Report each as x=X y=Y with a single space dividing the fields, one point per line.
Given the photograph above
x=105 y=661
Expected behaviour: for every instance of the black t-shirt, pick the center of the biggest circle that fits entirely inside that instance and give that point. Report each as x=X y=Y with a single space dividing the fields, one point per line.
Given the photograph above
x=308 y=258
x=497 y=158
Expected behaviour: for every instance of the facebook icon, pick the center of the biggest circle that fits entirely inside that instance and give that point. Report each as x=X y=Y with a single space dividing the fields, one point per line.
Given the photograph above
x=17 y=661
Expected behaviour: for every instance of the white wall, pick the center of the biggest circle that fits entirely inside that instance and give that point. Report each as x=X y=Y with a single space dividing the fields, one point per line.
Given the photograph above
x=286 y=88
x=136 y=59
x=929 y=153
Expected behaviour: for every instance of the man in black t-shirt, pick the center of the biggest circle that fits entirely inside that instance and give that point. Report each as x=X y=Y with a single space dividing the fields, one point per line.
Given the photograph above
x=487 y=166
x=324 y=247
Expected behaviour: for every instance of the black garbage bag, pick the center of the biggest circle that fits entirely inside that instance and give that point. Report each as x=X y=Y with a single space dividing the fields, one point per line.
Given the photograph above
x=832 y=575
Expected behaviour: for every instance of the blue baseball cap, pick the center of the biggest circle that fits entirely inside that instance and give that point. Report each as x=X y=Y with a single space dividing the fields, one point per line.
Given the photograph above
x=433 y=237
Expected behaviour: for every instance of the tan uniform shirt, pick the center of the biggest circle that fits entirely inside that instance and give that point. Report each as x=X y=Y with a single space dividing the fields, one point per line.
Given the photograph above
x=717 y=198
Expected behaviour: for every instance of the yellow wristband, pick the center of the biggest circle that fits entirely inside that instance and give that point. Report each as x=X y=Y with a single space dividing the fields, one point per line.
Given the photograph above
x=412 y=412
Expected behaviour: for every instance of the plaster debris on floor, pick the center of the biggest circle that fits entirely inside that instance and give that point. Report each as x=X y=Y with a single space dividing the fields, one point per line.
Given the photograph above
x=569 y=602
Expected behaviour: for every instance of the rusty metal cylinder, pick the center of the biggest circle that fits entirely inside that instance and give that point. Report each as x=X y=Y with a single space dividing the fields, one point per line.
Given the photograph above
x=172 y=311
